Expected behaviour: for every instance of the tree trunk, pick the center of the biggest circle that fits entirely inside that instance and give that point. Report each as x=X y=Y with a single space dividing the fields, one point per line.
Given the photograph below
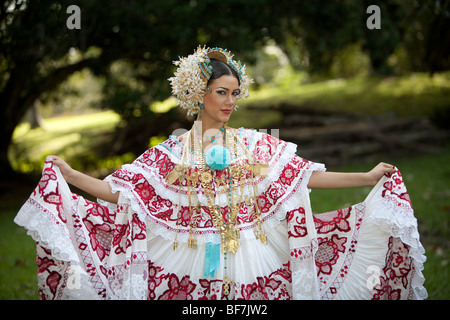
x=6 y=171
x=33 y=115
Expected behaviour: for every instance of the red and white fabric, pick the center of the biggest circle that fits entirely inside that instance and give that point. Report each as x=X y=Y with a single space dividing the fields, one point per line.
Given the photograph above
x=97 y=250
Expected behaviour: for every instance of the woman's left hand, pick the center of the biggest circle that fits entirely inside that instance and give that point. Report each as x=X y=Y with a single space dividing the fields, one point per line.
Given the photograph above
x=379 y=171
x=335 y=180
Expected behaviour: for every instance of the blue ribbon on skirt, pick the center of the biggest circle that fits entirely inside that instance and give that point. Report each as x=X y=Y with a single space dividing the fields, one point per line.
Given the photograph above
x=212 y=259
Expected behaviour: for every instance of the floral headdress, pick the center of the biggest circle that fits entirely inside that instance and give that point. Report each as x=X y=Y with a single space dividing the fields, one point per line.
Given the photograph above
x=193 y=72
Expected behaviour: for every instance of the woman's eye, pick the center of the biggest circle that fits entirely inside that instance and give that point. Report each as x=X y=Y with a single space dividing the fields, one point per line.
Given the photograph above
x=236 y=93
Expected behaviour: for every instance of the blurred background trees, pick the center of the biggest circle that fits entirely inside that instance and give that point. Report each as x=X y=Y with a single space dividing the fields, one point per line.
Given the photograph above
x=124 y=50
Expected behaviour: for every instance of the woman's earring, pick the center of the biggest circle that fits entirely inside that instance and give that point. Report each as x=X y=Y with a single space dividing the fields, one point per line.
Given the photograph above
x=201 y=107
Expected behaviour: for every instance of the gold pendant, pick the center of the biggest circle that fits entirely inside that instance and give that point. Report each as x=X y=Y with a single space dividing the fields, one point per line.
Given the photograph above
x=235 y=171
x=263 y=238
x=172 y=177
x=261 y=169
x=206 y=177
x=232 y=245
x=226 y=285
x=175 y=174
x=192 y=243
x=193 y=177
x=256 y=232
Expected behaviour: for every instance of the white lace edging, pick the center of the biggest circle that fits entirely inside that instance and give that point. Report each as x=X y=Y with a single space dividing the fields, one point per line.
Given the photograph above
x=45 y=231
x=44 y=228
x=399 y=221
x=54 y=235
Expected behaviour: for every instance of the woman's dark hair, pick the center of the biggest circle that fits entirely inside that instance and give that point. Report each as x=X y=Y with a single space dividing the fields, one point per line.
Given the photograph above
x=219 y=69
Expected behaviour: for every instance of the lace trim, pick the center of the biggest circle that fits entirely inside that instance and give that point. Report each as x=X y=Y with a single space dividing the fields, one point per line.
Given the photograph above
x=397 y=219
x=44 y=227
x=39 y=225
x=399 y=223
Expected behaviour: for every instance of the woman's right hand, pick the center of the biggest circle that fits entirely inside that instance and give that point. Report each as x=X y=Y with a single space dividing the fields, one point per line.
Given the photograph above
x=95 y=187
x=65 y=169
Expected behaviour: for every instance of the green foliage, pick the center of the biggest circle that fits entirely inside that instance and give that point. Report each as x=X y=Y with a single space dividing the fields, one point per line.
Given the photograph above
x=322 y=29
x=349 y=62
x=130 y=46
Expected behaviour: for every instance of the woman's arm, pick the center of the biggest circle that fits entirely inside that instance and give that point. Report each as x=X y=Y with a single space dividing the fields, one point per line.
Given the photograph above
x=335 y=180
x=95 y=187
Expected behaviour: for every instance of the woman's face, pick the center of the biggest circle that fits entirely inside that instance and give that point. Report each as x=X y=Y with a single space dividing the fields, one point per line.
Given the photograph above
x=220 y=100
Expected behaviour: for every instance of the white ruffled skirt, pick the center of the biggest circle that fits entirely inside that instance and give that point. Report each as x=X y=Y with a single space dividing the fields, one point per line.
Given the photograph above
x=85 y=250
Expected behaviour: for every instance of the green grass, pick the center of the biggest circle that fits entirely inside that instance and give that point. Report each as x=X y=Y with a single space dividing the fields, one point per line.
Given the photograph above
x=17 y=260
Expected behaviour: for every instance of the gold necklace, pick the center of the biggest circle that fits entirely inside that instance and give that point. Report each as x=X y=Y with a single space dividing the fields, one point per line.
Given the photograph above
x=235 y=180
x=227 y=229
x=236 y=176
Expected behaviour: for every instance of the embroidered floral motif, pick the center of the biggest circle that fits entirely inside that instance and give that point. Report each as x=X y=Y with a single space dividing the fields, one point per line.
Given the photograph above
x=328 y=253
x=145 y=191
x=117 y=258
x=332 y=222
x=395 y=187
x=297 y=223
x=178 y=289
x=395 y=275
x=55 y=199
x=47 y=175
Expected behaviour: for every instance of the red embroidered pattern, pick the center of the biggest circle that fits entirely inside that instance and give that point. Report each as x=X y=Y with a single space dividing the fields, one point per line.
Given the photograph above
x=335 y=250
x=328 y=253
x=331 y=222
x=274 y=286
x=112 y=245
x=297 y=223
x=396 y=273
x=395 y=187
x=156 y=163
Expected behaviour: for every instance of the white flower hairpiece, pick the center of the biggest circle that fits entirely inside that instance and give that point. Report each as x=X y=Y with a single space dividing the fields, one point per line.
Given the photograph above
x=193 y=72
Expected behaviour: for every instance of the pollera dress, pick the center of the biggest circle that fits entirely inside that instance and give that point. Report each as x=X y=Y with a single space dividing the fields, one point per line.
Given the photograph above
x=98 y=250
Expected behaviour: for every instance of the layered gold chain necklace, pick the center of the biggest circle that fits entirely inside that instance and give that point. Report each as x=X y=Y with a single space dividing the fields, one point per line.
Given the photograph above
x=238 y=174
x=227 y=228
x=235 y=174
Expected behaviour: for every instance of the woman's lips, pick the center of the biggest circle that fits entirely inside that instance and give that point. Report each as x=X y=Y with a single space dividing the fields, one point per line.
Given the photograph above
x=226 y=111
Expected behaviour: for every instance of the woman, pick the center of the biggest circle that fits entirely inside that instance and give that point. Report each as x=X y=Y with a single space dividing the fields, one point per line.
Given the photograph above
x=221 y=213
